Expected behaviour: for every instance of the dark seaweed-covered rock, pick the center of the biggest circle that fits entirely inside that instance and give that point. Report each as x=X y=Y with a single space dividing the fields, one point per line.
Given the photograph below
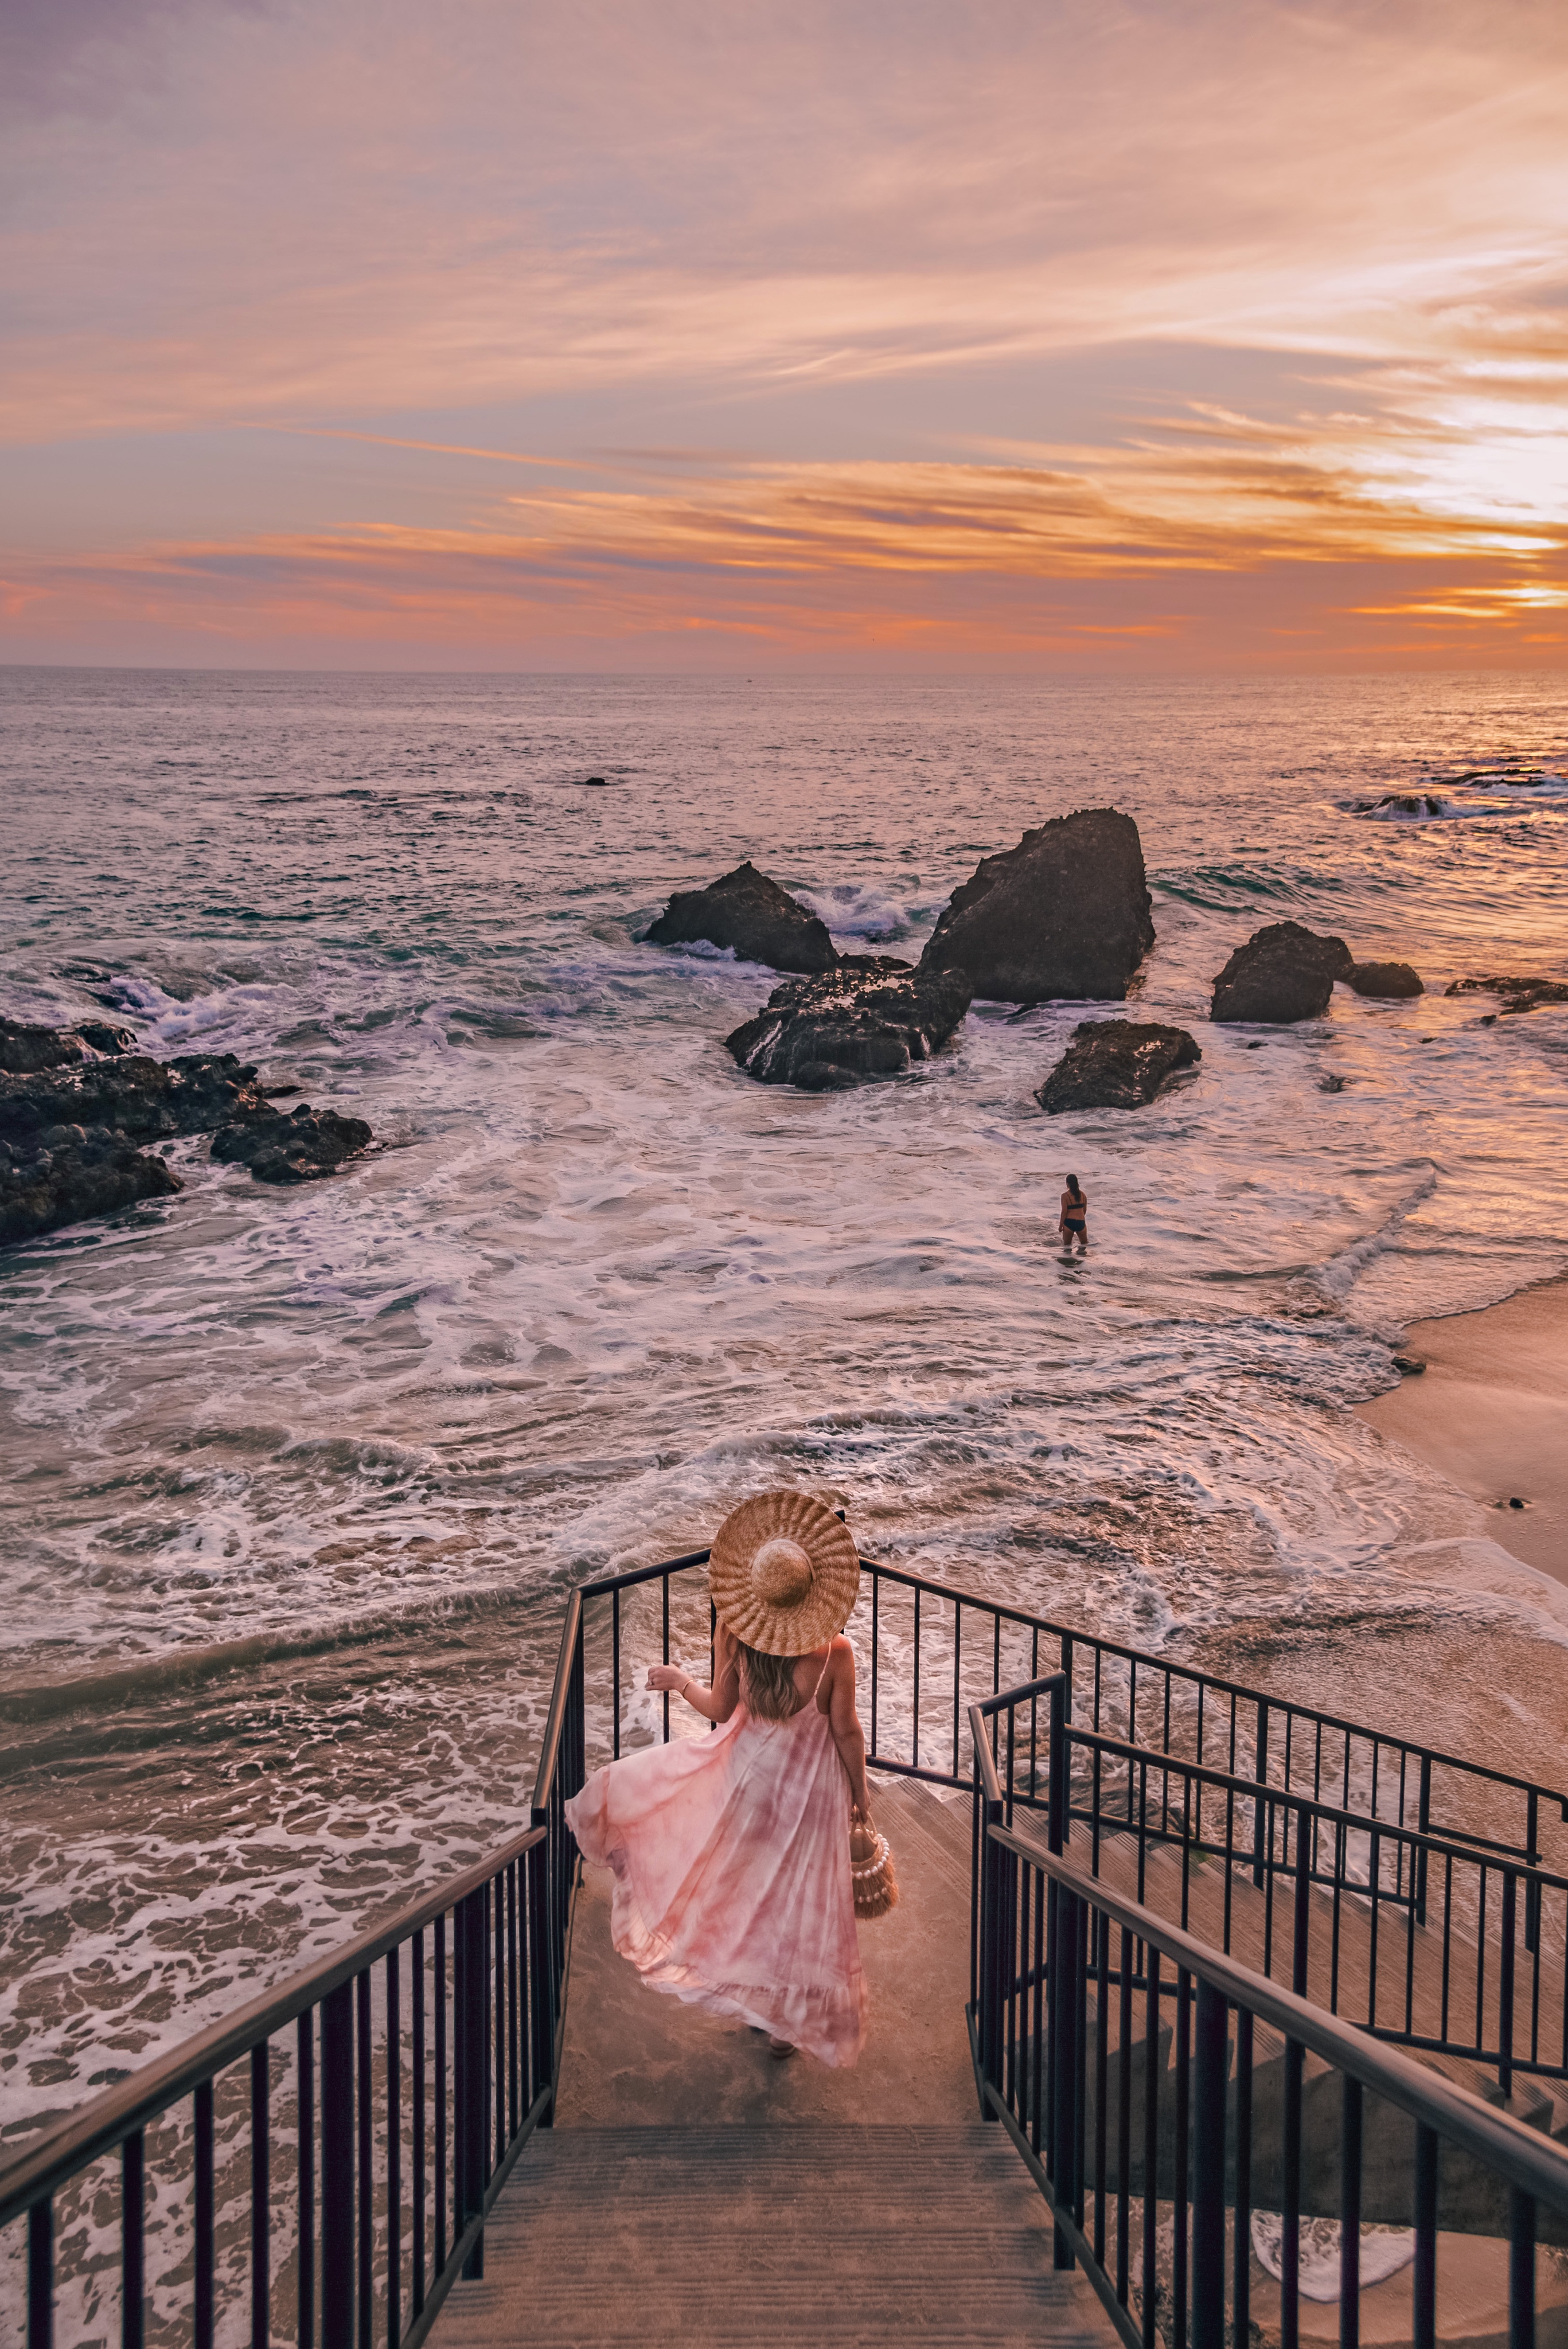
x=1385 y=979
x=1115 y=1064
x=871 y=1016
x=1282 y=973
x=1518 y=994
x=143 y=1099
x=105 y=1039
x=64 y=1175
x=751 y=913
x=291 y=1149
x=1064 y=917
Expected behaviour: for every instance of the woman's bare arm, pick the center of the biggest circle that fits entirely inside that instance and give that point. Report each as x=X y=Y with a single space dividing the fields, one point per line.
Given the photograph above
x=844 y=1723
x=716 y=1702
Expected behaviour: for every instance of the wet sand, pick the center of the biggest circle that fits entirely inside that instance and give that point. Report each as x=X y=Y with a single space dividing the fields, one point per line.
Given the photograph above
x=1490 y=1410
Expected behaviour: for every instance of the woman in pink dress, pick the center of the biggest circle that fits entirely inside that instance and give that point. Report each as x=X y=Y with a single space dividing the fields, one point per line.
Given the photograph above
x=730 y=1853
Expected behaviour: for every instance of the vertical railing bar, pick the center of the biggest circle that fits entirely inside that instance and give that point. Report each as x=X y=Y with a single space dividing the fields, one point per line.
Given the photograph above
x=306 y=2095
x=261 y=2196
x=1521 y=2269
x=615 y=1676
x=664 y=1621
x=1151 y=2141
x=367 y=2153
x=439 y=2098
x=1350 y=2218
x=915 y=1703
x=41 y=2275
x=417 y=2147
x=1424 y=2333
x=204 y=2216
x=394 y=2148
x=133 y=2244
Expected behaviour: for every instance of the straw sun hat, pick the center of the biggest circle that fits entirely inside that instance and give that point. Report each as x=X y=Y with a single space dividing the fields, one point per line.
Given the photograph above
x=784 y=1573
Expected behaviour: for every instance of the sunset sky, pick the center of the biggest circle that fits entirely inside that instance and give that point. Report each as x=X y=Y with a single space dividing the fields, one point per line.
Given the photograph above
x=498 y=335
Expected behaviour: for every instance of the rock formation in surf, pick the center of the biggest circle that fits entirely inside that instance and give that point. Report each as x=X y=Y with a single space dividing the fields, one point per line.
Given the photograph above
x=1385 y=979
x=291 y=1147
x=748 y=912
x=25 y=1051
x=1517 y=994
x=872 y=1016
x=71 y=1119
x=1115 y=1064
x=1064 y=917
x=1282 y=973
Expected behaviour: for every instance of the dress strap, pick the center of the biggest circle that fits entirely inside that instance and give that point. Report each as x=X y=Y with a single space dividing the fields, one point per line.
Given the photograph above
x=821 y=1675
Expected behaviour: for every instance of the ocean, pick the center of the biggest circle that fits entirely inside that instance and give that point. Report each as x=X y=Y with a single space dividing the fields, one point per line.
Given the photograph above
x=298 y=1478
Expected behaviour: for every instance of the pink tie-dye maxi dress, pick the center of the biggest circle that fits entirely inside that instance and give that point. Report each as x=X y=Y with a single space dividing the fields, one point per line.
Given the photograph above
x=731 y=1858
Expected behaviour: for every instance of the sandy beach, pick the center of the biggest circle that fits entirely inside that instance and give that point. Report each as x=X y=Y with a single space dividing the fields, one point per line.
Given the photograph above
x=1491 y=1409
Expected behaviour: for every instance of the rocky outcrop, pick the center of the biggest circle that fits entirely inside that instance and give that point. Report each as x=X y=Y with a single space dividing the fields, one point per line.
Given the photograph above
x=1518 y=994
x=1115 y=1064
x=1395 y=803
x=1384 y=980
x=300 y=1147
x=26 y=1051
x=1064 y=917
x=871 y=1016
x=143 y=1099
x=63 y=1173
x=1282 y=973
x=69 y=1128
x=752 y=914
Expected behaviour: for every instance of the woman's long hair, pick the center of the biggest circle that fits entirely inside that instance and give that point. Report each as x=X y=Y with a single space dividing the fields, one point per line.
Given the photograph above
x=767 y=1683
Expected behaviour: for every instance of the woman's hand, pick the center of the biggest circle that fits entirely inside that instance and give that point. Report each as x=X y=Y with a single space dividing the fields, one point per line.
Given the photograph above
x=668 y=1676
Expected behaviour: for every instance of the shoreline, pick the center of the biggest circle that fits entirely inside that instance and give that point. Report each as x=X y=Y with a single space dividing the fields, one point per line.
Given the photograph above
x=1490 y=1410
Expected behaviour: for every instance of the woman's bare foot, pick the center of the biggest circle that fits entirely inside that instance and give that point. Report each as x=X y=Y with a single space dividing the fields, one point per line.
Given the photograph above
x=779 y=2049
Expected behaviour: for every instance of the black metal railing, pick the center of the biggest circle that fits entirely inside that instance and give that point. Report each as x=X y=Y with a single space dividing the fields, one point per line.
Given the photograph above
x=927 y=1650
x=1440 y=1946
x=1157 y=2092
x=319 y=2168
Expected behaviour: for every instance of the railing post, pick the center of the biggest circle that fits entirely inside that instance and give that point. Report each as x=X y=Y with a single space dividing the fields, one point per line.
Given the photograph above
x=1210 y=2049
x=1261 y=1772
x=472 y=2016
x=541 y=1980
x=1505 y=1982
x=1057 y=1825
x=337 y=2168
x=1424 y=1824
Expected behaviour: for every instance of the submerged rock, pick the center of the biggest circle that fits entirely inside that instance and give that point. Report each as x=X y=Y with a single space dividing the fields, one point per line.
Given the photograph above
x=296 y=1148
x=870 y=1017
x=1115 y=1064
x=66 y=1174
x=1064 y=917
x=1417 y=803
x=1518 y=994
x=1282 y=973
x=1385 y=979
x=749 y=913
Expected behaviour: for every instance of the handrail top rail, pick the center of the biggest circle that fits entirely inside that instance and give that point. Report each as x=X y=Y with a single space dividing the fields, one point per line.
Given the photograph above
x=1528 y=2159
x=1262 y=1790
x=96 y=2127
x=604 y=1584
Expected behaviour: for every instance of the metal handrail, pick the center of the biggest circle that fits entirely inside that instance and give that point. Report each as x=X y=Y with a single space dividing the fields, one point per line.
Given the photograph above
x=96 y=2127
x=555 y=1718
x=1208 y=2137
x=1527 y=2159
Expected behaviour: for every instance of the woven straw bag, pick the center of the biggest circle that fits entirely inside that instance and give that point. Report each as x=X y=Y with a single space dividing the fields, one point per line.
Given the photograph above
x=871 y=1869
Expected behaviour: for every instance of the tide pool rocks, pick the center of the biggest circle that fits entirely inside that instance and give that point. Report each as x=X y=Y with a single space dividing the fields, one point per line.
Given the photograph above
x=71 y=1118
x=1066 y=915
x=1117 y=1064
x=1516 y=993
x=749 y=912
x=872 y=1016
x=1282 y=973
x=1384 y=981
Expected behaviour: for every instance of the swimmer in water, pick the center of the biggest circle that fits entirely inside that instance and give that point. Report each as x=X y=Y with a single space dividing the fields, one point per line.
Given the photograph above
x=1075 y=1223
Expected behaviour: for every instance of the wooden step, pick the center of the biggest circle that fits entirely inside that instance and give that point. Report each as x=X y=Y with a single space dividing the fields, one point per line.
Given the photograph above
x=757 y=2235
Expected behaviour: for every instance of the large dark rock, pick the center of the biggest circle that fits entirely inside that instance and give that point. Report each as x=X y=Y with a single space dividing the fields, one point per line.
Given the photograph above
x=747 y=910
x=1115 y=1064
x=1518 y=994
x=1282 y=973
x=871 y=1016
x=26 y=1051
x=291 y=1149
x=141 y=1099
x=1064 y=917
x=65 y=1173
x=1385 y=979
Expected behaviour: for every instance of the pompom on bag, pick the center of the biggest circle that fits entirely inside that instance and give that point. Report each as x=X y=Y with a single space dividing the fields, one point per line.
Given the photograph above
x=871 y=1870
